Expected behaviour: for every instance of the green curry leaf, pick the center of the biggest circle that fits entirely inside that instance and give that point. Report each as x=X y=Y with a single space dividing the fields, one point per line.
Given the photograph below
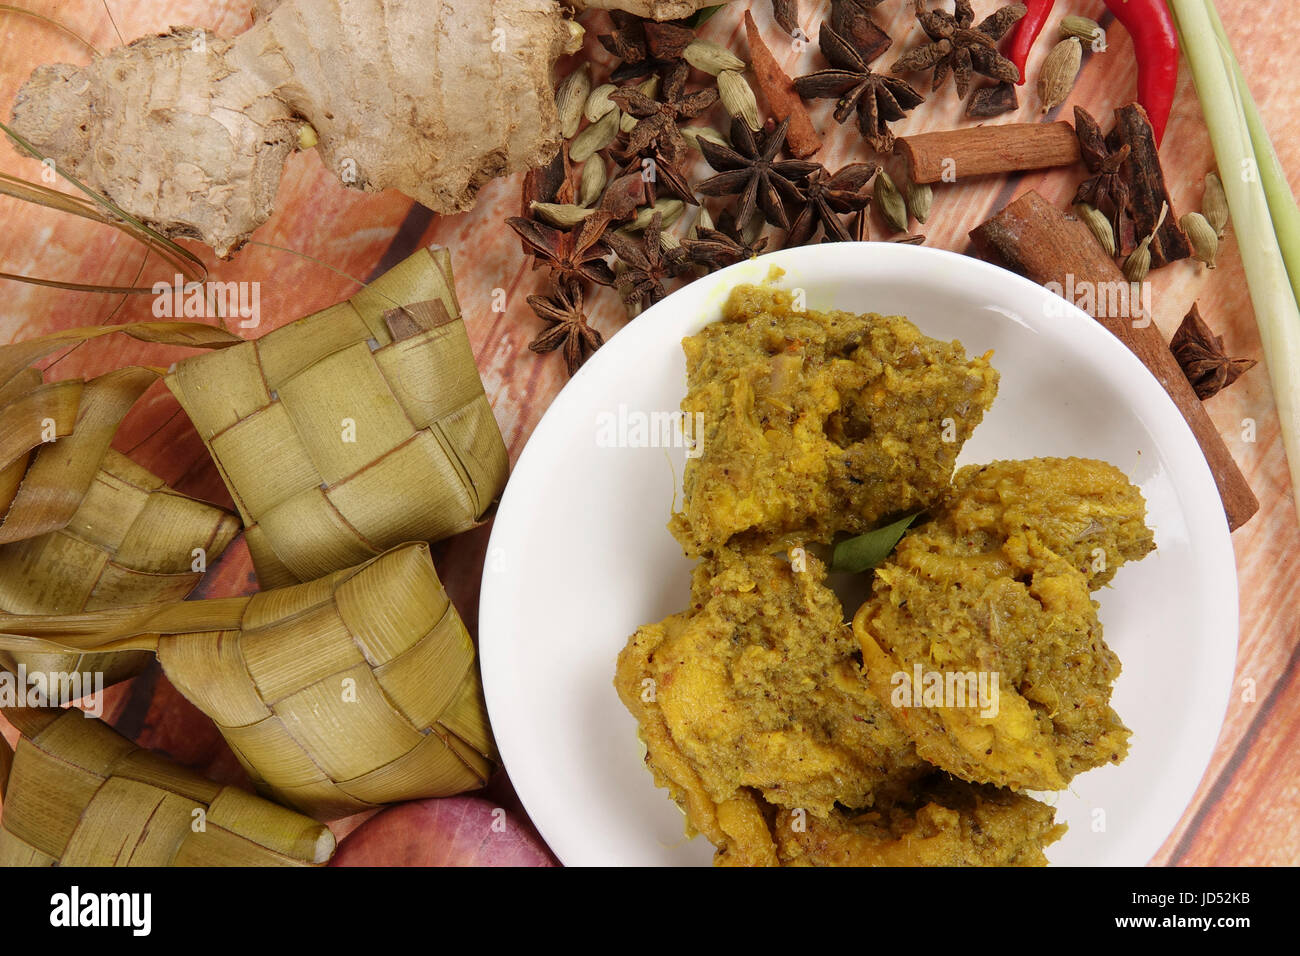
x=703 y=15
x=864 y=552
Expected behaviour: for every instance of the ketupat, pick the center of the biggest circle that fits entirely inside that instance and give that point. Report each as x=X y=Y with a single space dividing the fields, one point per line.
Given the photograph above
x=998 y=583
x=189 y=131
x=819 y=422
x=133 y=540
x=77 y=793
x=338 y=695
x=353 y=430
x=83 y=526
x=53 y=435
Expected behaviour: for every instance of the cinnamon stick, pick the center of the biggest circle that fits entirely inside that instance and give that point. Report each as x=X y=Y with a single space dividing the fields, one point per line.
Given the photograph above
x=980 y=150
x=1147 y=191
x=1034 y=238
x=778 y=91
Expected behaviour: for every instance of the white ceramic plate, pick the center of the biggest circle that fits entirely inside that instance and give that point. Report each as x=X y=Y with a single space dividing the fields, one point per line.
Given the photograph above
x=580 y=556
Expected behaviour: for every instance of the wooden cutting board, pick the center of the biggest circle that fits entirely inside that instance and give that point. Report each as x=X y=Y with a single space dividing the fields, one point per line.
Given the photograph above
x=1247 y=810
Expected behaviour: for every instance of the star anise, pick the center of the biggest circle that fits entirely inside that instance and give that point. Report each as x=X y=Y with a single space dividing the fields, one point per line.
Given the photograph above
x=660 y=176
x=862 y=225
x=716 y=248
x=990 y=101
x=657 y=119
x=958 y=48
x=828 y=197
x=879 y=98
x=543 y=183
x=1200 y=354
x=851 y=19
x=786 y=15
x=623 y=195
x=648 y=264
x=1106 y=190
x=567 y=326
x=573 y=255
x=644 y=46
x=749 y=169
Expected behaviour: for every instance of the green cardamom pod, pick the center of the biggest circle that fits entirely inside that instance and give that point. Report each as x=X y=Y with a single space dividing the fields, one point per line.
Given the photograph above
x=595 y=137
x=702 y=221
x=1082 y=29
x=889 y=202
x=710 y=57
x=693 y=135
x=559 y=215
x=576 y=32
x=592 y=183
x=1138 y=263
x=570 y=99
x=919 y=197
x=599 y=103
x=1202 y=237
x=738 y=98
x=1214 y=204
x=670 y=210
x=1100 y=226
x=1059 y=70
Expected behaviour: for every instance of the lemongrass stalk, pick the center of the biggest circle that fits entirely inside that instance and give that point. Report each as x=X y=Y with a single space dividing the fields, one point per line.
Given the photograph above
x=1281 y=204
x=1276 y=312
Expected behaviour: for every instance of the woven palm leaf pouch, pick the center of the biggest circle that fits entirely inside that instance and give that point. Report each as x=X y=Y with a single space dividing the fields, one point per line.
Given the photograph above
x=77 y=793
x=341 y=694
x=132 y=540
x=352 y=430
x=82 y=526
x=53 y=435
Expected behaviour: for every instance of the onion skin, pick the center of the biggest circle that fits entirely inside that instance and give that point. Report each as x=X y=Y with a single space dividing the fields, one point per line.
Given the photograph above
x=452 y=831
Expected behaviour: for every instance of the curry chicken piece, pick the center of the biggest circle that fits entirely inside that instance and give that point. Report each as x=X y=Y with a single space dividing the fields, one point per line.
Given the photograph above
x=755 y=692
x=998 y=582
x=773 y=724
x=946 y=822
x=819 y=422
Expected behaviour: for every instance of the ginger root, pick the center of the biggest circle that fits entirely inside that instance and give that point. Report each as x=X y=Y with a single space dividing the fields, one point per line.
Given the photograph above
x=650 y=9
x=189 y=131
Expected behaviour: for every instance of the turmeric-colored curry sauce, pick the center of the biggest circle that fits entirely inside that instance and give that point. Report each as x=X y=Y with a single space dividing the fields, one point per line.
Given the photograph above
x=779 y=728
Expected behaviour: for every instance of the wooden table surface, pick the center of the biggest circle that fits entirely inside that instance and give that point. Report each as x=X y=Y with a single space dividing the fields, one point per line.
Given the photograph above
x=323 y=239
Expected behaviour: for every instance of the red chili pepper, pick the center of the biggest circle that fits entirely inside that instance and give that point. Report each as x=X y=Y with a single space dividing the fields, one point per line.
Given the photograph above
x=1155 y=43
x=1021 y=39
